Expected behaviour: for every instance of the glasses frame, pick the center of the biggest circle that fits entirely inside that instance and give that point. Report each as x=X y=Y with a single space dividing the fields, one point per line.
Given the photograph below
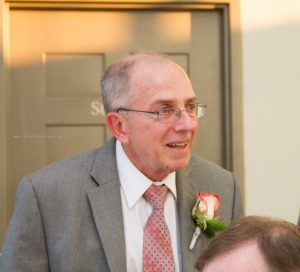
x=177 y=112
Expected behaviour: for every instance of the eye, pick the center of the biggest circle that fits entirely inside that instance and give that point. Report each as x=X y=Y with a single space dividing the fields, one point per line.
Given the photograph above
x=166 y=110
x=191 y=106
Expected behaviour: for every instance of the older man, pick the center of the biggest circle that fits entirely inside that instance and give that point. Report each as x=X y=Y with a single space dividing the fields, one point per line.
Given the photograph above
x=126 y=206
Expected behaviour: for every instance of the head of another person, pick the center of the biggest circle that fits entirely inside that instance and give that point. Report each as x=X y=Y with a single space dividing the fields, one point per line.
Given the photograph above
x=151 y=108
x=254 y=244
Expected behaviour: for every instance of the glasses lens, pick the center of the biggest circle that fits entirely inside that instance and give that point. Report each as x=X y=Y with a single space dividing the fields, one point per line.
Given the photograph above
x=167 y=115
x=200 y=110
x=170 y=115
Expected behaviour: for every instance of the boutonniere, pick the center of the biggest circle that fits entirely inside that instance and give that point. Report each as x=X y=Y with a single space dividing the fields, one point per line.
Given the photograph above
x=205 y=217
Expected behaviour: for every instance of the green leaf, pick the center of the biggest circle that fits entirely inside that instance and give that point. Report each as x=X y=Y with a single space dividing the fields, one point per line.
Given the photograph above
x=214 y=225
x=201 y=222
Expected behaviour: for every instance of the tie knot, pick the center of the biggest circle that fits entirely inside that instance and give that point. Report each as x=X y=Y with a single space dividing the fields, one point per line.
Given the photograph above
x=156 y=196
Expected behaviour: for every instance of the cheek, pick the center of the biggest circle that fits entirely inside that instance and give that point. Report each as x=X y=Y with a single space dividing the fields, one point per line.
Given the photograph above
x=153 y=134
x=149 y=137
x=153 y=146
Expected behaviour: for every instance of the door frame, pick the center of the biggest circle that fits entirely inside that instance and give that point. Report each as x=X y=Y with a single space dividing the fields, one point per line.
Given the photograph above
x=232 y=74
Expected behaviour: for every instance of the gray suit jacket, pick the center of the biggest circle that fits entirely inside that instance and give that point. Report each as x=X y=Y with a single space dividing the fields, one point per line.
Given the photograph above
x=68 y=216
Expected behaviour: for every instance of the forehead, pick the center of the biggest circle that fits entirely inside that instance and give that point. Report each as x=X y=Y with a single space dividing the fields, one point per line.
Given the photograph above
x=239 y=259
x=155 y=72
x=159 y=80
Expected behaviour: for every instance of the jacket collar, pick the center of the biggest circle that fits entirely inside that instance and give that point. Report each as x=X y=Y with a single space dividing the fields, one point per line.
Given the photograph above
x=106 y=207
x=184 y=205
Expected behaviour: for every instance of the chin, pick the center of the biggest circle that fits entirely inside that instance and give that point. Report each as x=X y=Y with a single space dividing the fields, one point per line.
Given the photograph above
x=179 y=165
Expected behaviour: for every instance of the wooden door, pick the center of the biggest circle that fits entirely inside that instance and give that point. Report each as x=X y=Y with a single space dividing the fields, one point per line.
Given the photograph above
x=57 y=58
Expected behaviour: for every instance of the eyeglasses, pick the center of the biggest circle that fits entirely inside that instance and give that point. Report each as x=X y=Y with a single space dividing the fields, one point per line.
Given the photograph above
x=172 y=114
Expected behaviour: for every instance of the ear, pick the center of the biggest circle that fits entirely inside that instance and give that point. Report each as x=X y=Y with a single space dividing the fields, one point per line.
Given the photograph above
x=117 y=125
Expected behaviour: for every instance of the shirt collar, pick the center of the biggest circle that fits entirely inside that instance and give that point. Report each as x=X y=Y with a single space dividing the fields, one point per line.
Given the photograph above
x=133 y=182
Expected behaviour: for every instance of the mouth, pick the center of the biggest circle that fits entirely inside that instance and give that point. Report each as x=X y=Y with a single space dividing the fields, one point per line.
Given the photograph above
x=179 y=145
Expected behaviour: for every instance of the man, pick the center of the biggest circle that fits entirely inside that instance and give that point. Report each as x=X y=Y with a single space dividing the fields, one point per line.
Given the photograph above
x=254 y=244
x=89 y=213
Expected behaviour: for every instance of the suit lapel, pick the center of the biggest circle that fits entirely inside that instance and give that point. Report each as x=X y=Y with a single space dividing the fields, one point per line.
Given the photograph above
x=106 y=206
x=187 y=196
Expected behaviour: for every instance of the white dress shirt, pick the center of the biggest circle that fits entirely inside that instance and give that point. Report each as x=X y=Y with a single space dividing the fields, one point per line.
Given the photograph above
x=136 y=210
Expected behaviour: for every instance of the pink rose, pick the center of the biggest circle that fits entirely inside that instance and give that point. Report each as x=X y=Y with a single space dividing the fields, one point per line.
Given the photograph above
x=204 y=216
x=208 y=203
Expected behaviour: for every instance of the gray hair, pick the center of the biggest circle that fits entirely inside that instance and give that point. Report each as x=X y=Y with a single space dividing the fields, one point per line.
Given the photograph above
x=115 y=89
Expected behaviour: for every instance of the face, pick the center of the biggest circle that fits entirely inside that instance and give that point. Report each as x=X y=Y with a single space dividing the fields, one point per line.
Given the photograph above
x=155 y=148
x=246 y=258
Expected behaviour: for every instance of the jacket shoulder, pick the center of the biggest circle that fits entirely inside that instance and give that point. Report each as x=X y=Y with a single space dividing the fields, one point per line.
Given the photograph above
x=67 y=167
x=207 y=177
x=199 y=165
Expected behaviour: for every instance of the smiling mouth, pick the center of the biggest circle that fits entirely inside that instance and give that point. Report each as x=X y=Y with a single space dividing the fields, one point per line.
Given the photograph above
x=177 y=145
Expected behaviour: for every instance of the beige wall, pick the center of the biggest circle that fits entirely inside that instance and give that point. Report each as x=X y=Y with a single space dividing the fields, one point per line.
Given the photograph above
x=271 y=87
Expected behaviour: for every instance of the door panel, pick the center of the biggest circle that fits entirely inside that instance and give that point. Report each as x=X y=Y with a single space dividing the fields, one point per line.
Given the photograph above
x=57 y=58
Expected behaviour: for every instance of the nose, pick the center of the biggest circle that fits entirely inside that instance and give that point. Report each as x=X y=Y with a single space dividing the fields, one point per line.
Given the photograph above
x=185 y=122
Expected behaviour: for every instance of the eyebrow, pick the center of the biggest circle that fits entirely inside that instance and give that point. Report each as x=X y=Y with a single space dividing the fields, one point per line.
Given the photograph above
x=169 y=101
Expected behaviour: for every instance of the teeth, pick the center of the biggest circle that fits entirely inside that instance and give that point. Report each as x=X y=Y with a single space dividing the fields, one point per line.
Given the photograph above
x=177 y=145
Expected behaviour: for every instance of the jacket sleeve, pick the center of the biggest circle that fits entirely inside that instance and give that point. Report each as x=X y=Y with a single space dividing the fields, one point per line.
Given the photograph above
x=25 y=247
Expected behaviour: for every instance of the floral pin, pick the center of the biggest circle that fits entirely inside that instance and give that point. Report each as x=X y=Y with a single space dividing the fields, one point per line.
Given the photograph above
x=205 y=218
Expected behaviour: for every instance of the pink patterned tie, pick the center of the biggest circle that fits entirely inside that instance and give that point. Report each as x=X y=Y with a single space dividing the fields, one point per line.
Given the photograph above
x=157 y=251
